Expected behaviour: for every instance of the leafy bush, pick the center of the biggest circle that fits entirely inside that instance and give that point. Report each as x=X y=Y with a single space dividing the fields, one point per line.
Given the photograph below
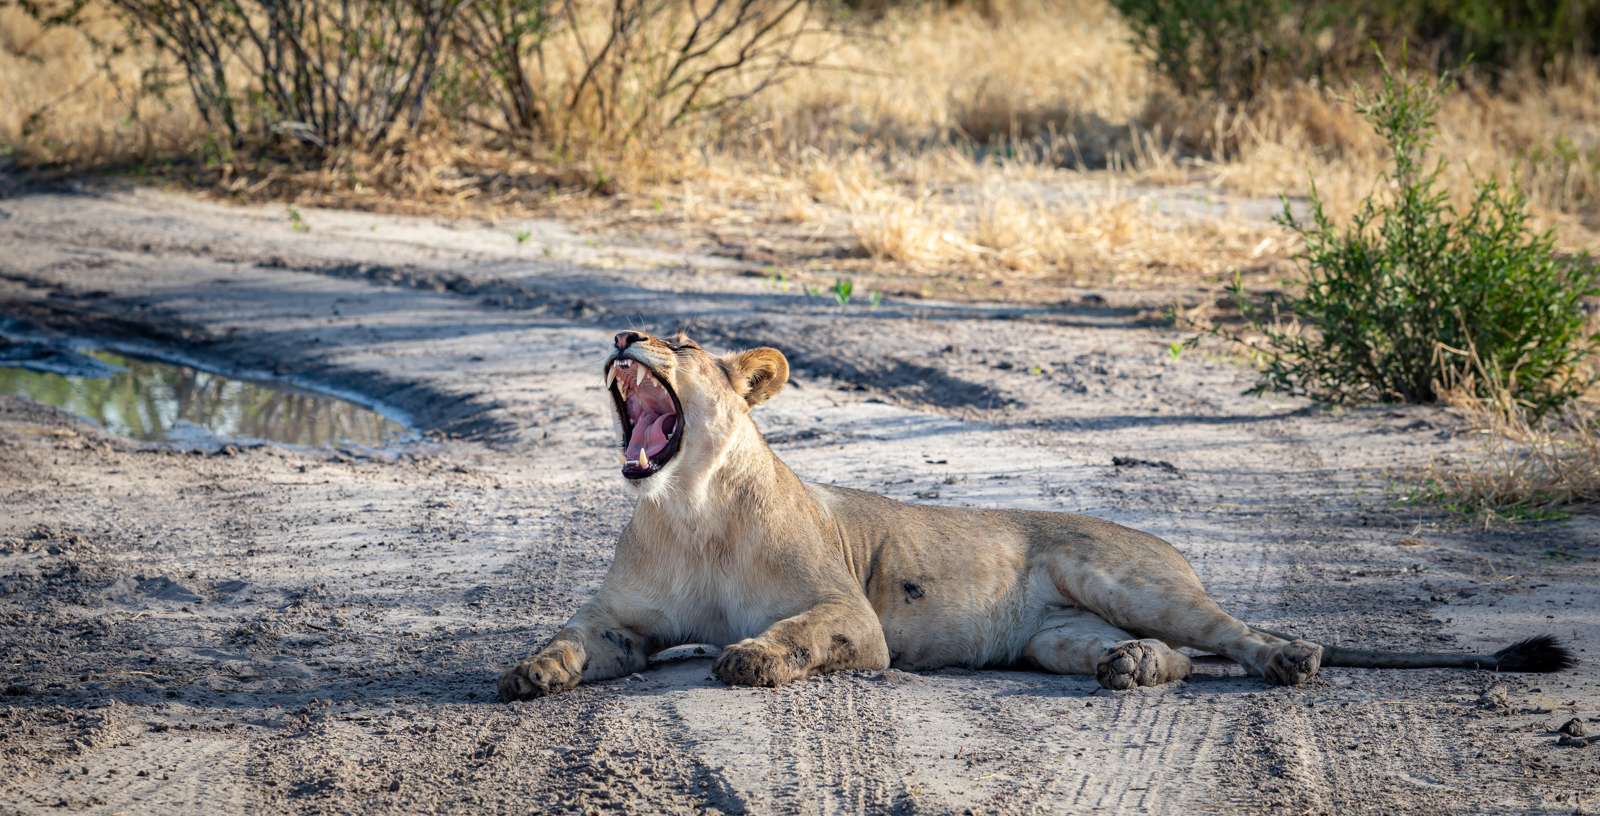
x=1233 y=47
x=1218 y=45
x=1544 y=34
x=1409 y=283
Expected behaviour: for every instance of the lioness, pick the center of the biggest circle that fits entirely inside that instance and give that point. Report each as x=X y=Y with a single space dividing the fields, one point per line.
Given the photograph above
x=793 y=579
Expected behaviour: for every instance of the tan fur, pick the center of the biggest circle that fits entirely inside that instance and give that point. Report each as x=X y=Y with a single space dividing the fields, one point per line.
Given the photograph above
x=728 y=547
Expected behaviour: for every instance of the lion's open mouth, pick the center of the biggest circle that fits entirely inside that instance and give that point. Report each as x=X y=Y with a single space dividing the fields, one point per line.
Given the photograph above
x=652 y=418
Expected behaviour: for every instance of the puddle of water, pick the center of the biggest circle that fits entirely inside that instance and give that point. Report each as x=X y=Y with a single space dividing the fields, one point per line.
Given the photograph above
x=161 y=402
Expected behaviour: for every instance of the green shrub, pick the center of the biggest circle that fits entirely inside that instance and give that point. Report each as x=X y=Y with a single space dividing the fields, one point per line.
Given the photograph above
x=1389 y=300
x=1544 y=34
x=1216 y=45
x=1235 y=47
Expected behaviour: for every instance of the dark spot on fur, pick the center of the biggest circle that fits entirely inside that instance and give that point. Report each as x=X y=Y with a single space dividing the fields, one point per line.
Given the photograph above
x=622 y=642
x=842 y=651
x=800 y=656
x=912 y=591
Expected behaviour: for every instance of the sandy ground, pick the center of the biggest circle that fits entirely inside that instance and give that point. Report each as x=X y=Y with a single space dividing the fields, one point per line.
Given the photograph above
x=267 y=630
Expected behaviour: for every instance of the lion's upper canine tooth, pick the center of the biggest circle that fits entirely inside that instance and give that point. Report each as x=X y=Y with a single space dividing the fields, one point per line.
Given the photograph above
x=638 y=379
x=644 y=461
x=611 y=375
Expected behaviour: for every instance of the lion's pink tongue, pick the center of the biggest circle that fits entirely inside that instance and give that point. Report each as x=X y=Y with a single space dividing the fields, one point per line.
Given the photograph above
x=650 y=434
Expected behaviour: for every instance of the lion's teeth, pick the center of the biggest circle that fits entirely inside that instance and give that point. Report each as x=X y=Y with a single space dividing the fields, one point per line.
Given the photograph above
x=638 y=379
x=611 y=375
x=644 y=461
x=622 y=458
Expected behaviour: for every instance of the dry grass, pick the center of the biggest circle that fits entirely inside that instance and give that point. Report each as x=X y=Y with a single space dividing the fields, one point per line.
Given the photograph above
x=1082 y=155
x=1541 y=138
x=1525 y=466
x=63 y=99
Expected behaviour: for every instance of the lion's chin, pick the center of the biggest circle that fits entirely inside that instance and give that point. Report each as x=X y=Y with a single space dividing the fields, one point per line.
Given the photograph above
x=651 y=416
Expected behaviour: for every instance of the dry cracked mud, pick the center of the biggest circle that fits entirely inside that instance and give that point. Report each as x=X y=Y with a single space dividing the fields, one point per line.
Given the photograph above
x=272 y=630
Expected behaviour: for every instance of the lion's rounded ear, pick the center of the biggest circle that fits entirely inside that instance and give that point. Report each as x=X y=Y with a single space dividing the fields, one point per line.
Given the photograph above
x=756 y=374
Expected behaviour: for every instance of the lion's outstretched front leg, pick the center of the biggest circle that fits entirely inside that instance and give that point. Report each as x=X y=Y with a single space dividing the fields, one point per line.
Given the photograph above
x=829 y=637
x=594 y=645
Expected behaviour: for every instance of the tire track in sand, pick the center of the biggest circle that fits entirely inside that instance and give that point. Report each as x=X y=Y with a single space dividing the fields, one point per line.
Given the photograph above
x=823 y=746
x=172 y=773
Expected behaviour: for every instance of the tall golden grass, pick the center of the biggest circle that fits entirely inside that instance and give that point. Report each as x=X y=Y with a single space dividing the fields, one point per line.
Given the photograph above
x=1015 y=141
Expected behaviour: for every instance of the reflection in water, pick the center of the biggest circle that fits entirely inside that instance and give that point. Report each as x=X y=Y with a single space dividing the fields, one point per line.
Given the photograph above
x=158 y=402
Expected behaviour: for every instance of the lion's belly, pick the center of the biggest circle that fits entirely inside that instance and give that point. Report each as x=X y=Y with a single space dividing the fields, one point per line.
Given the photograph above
x=969 y=603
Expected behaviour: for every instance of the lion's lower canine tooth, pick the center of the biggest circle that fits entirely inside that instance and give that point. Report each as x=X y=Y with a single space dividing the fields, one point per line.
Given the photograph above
x=622 y=458
x=644 y=461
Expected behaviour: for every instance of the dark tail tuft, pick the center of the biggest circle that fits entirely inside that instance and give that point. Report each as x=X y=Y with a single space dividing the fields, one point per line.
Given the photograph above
x=1536 y=654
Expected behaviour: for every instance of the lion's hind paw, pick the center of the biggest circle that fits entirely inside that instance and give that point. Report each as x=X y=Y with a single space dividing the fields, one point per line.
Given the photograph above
x=1140 y=663
x=1295 y=662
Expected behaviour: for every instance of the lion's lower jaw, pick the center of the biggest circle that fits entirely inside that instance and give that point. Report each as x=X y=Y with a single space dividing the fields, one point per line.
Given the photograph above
x=672 y=483
x=698 y=476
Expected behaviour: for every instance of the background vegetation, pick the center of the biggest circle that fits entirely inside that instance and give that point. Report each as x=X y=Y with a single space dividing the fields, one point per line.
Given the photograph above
x=811 y=109
x=1005 y=149
x=1393 y=302
x=1235 y=48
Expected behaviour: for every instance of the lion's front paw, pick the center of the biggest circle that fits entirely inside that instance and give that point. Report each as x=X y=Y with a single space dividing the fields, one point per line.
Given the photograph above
x=1296 y=662
x=536 y=678
x=1140 y=663
x=751 y=662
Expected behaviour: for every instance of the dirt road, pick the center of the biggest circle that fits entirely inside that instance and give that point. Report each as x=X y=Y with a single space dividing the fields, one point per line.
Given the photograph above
x=271 y=630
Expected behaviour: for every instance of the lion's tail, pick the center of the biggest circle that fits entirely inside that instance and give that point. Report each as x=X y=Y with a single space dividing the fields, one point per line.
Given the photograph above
x=1536 y=654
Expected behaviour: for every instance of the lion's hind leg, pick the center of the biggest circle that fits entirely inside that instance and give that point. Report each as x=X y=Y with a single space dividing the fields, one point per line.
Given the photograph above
x=1077 y=641
x=1149 y=589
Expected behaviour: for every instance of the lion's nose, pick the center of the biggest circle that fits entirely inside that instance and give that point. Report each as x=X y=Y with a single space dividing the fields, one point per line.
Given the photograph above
x=627 y=337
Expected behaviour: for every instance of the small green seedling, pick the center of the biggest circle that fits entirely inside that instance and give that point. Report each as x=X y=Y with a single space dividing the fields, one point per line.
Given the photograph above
x=297 y=222
x=1176 y=349
x=841 y=290
x=873 y=297
x=522 y=235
